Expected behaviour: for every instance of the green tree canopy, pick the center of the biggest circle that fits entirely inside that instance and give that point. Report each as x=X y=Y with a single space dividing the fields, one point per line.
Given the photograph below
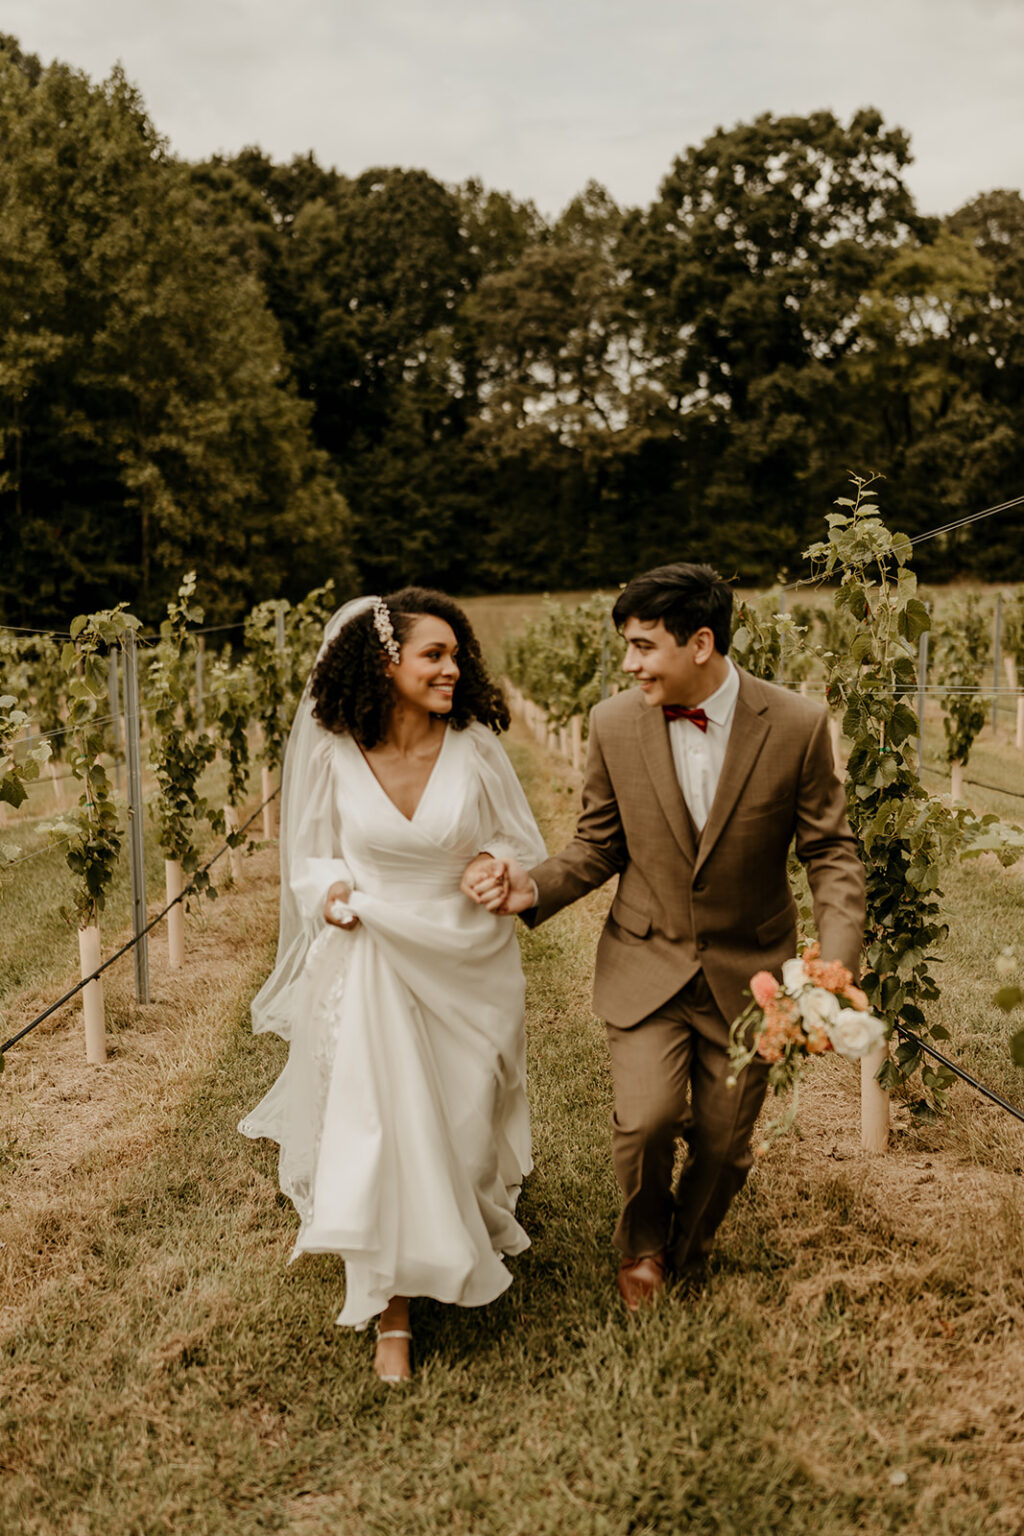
x=210 y=364
x=148 y=421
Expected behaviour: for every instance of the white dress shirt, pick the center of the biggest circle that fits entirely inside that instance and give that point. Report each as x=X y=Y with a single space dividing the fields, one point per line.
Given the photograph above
x=698 y=755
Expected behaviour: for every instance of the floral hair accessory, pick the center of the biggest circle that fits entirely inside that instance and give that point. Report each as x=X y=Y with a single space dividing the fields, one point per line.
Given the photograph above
x=386 y=630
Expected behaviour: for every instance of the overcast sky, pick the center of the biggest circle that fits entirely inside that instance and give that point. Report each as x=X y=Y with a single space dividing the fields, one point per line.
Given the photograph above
x=537 y=97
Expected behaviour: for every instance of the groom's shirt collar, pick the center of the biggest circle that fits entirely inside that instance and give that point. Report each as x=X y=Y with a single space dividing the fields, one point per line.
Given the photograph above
x=720 y=706
x=698 y=755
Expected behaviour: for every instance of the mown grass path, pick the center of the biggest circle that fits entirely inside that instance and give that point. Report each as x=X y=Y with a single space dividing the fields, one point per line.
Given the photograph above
x=854 y=1363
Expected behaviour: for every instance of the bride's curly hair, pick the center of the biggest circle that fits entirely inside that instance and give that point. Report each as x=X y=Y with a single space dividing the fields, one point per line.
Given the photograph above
x=350 y=688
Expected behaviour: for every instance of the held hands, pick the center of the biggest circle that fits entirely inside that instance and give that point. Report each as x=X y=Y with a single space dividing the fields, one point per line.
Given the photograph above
x=335 y=912
x=500 y=885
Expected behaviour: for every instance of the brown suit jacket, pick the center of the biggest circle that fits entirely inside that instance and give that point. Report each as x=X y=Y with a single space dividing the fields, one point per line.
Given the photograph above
x=721 y=903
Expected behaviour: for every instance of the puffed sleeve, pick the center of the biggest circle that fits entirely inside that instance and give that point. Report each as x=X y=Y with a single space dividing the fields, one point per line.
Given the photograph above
x=311 y=860
x=508 y=827
x=314 y=859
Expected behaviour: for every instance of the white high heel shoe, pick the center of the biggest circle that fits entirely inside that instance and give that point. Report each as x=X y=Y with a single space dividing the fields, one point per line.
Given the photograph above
x=393 y=1333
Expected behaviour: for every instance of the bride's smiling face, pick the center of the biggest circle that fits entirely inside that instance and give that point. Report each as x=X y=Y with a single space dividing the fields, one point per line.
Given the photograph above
x=427 y=672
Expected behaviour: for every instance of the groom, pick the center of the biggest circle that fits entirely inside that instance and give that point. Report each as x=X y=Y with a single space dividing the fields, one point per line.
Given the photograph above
x=696 y=783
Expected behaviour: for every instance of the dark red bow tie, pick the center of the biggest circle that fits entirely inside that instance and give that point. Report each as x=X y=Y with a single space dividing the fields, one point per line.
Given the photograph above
x=680 y=712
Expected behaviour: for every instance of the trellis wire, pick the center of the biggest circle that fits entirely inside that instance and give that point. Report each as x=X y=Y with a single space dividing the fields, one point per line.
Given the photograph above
x=997 y=789
x=26 y=629
x=960 y=1072
x=63 y=730
x=36 y=853
x=921 y=538
x=132 y=941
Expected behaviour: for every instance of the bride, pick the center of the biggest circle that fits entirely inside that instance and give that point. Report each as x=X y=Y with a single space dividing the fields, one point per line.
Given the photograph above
x=401 y=1113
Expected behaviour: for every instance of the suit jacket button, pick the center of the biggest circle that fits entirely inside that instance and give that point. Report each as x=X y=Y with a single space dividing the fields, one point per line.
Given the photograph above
x=702 y=943
x=699 y=888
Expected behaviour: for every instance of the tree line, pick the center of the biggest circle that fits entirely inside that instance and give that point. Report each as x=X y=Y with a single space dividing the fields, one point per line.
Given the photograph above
x=287 y=373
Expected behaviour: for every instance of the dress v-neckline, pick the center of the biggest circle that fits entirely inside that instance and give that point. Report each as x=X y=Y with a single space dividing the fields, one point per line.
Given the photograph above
x=409 y=820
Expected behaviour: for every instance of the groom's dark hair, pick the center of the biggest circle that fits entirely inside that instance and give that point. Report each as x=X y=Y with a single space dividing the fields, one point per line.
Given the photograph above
x=684 y=597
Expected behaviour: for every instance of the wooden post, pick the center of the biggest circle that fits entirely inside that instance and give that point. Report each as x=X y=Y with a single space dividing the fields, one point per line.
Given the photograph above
x=956 y=780
x=563 y=742
x=576 y=740
x=176 y=916
x=874 y=1103
x=92 y=996
x=234 y=854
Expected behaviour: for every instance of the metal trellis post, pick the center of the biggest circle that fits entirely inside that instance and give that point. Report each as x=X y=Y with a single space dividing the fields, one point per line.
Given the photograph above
x=997 y=663
x=136 y=812
x=115 y=711
x=265 y=783
x=200 y=658
x=780 y=675
x=922 y=685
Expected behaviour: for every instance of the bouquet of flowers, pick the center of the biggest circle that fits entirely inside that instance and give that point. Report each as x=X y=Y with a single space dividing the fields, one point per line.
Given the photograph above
x=815 y=1008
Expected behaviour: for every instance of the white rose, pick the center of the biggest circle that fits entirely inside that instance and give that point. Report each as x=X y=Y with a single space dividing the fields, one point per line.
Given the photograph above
x=817 y=1007
x=854 y=1034
x=794 y=976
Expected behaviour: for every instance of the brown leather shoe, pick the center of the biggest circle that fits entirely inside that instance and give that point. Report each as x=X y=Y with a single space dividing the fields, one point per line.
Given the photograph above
x=640 y=1280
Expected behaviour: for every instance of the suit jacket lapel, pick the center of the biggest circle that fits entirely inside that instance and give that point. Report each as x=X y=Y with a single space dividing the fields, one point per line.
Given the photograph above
x=747 y=737
x=657 y=755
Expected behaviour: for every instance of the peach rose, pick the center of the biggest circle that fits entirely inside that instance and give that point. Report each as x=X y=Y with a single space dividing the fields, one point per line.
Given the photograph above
x=830 y=974
x=763 y=987
x=817 y=1040
x=771 y=1043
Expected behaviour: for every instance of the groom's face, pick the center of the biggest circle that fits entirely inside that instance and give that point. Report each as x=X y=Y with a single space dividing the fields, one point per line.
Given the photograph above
x=667 y=672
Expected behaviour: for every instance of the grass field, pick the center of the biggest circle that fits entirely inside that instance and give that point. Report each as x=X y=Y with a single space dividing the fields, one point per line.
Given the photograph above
x=853 y=1363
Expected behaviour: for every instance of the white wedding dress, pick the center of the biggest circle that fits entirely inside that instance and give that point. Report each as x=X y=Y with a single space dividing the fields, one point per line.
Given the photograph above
x=401 y=1113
